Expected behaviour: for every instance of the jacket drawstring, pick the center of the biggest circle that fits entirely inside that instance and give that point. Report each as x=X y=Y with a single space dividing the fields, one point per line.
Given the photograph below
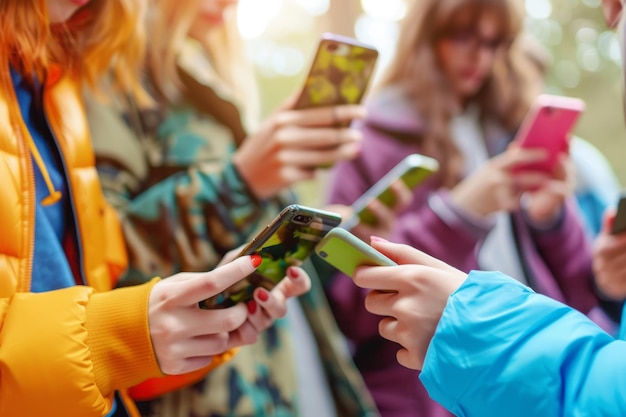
x=54 y=195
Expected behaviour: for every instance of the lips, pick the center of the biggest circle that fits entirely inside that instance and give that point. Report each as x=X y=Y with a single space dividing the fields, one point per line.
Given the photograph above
x=80 y=2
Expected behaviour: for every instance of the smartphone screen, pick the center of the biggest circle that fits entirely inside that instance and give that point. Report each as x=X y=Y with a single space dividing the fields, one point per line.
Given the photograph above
x=287 y=241
x=339 y=74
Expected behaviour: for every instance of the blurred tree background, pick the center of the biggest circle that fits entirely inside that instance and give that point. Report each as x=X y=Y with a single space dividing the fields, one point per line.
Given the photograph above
x=583 y=56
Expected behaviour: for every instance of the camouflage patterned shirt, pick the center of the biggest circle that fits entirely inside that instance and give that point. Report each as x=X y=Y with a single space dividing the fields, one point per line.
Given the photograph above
x=183 y=205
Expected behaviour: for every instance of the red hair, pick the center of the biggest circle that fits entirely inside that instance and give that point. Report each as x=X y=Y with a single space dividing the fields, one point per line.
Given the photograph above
x=103 y=35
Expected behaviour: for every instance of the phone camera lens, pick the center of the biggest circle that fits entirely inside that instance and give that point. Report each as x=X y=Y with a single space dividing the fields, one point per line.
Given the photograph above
x=323 y=254
x=332 y=47
x=302 y=219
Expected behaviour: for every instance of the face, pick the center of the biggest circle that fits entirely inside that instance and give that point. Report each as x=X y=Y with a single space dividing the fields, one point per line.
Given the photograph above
x=210 y=15
x=61 y=10
x=467 y=57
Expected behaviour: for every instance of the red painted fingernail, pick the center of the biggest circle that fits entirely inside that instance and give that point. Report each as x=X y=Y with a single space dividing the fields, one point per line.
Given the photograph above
x=378 y=239
x=263 y=295
x=251 y=306
x=293 y=274
x=256 y=260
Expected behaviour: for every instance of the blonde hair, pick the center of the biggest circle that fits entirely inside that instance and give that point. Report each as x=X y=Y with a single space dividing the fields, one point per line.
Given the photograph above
x=505 y=96
x=103 y=35
x=169 y=25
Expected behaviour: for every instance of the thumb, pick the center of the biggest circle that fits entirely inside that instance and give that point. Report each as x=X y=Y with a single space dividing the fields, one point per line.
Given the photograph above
x=404 y=254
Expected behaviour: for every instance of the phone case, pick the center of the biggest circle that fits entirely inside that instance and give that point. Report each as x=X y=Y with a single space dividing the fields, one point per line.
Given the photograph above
x=287 y=241
x=346 y=252
x=548 y=125
x=412 y=170
x=619 y=224
x=339 y=74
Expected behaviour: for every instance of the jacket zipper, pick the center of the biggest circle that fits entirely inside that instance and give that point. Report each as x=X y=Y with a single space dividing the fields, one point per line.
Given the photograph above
x=70 y=190
x=26 y=164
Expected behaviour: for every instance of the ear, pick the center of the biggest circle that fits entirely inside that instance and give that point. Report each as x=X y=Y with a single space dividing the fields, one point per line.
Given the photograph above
x=612 y=10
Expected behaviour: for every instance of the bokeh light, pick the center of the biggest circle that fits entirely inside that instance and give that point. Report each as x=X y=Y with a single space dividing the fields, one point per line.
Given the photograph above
x=387 y=9
x=253 y=16
x=538 y=9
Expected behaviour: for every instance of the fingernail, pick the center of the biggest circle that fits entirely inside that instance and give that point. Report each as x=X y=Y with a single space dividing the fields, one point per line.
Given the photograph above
x=378 y=239
x=256 y=260
x=251 y=306
x=292 y=273
x=263 y=295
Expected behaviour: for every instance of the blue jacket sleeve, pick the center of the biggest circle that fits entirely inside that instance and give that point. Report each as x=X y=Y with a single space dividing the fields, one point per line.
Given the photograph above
x=502 y=350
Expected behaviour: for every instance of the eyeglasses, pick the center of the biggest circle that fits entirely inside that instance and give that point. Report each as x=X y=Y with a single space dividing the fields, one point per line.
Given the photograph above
x=472 y=42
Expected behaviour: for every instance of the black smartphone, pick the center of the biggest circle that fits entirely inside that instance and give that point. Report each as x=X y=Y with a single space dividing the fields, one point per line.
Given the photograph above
x=339 y=74
x=287 y=241
x=619 y=224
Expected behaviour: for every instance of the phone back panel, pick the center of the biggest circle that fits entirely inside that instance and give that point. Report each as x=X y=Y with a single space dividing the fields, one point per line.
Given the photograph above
x=549 y=125
x=339 y=74
x=346 y=252
x=287 y=241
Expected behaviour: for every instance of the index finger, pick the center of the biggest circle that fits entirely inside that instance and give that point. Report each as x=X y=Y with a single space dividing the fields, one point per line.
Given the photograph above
x=208 y=284
x=321 y=116
x=383 y=278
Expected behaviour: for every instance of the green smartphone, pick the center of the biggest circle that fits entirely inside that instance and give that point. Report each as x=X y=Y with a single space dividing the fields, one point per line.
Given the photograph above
x=287 y=241
x=346 y=252
x=412 y=170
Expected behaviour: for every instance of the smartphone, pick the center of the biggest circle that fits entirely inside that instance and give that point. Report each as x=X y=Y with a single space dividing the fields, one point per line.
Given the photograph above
x=287 y=241
x=548 y=125
x=412 y=171
x=619 y=224
x=346 y=252
x=339 y=74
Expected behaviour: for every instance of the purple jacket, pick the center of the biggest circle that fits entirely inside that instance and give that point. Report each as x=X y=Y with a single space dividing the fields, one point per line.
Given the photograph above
x=557 y=261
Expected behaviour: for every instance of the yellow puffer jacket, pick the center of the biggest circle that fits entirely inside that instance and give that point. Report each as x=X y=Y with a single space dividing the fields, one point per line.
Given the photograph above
x=64 y=352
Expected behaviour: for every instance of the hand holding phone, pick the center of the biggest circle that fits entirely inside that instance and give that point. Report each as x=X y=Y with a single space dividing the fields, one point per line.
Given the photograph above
x=412 y=171
x=347 y=252
x=549 y=125
x=287 y=241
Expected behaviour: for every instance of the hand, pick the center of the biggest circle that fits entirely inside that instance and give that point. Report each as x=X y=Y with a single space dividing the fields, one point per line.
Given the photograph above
x=185 y=337
x=609 y=260
x=495 y=187
x=544 y=204
x=231 y=255
x=292 y=144
x=411 y=295
x=273 y=304
x=385 y=216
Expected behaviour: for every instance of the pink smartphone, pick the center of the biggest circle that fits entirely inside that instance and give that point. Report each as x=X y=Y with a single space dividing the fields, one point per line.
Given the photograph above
x=548 y=125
